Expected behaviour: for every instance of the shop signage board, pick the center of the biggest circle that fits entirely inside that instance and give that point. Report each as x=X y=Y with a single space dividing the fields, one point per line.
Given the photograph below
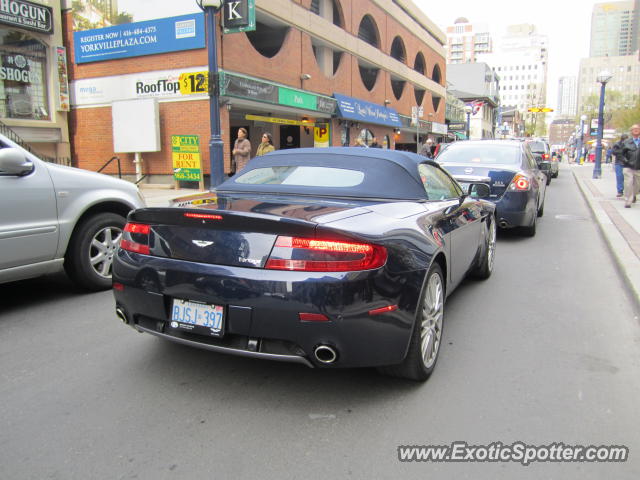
x=295 y=98
x=321 y=136
x=439 y=128
x=238 y=16
x=232 y=85
x=458 y=127
x=27 y=15
x=363 y=111
x=243 y=87
x=185 y=32
x=185 y=153
x=279 y=121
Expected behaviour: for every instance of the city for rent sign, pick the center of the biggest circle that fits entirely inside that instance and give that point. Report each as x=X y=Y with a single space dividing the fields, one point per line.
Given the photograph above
x=185 y=152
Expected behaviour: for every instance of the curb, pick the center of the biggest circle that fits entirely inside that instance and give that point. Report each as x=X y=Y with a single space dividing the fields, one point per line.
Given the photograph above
x=627 y=261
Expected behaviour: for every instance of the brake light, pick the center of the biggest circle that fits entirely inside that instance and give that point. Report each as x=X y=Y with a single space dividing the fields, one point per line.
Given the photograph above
x=545 y=156
x=203 y=216
x=520 y=183
x=136 y=238
x=314 y=255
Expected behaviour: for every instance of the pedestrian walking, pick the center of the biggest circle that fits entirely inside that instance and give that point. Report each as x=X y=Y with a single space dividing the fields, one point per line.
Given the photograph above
x=630 y=151
x=425 y=150
x=619 y=165
x=266 y=145
x=241 y=149
x=609 y=155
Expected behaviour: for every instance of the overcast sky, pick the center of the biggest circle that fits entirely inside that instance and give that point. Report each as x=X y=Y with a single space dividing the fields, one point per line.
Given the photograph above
x=566 y=22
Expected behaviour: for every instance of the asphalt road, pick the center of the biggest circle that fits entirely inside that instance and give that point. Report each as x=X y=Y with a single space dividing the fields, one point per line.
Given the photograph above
x=547 y=350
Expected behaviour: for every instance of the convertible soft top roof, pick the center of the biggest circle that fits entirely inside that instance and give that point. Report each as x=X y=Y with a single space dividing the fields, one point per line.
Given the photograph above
x=388 y=174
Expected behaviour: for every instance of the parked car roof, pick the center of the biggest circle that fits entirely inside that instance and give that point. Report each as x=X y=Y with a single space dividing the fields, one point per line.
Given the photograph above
x=372 y=169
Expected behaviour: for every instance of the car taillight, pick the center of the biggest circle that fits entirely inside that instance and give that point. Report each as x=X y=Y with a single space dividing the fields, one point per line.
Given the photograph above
x=136 y=238
x=545 y=156
x=520 y=183
x=311 y=255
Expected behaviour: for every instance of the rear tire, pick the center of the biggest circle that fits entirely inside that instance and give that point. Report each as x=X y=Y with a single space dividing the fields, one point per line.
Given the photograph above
x=91 y=250
x=530 y=231
x=426 y=337
x=484 y=268
x=541 y=210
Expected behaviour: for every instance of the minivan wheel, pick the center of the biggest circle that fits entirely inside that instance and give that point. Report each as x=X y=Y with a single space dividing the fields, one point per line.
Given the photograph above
x=91 y=250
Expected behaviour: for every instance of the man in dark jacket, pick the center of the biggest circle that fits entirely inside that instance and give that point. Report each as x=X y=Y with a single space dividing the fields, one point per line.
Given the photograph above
x=630 y=151
x=619 y=166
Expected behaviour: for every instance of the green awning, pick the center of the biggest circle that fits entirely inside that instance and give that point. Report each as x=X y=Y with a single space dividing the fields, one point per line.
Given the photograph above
x=460 y=135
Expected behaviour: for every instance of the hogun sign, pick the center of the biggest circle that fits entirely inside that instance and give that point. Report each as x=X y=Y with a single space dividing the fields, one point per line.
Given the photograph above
x=185 y=152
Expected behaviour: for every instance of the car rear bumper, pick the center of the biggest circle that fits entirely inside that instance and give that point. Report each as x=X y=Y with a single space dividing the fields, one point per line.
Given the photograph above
x=515 y=209
x=262 y=307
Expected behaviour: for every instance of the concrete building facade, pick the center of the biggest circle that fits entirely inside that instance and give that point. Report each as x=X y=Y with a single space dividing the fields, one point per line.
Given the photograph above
x=567 y=104
x=614 y=29
x=466 y=40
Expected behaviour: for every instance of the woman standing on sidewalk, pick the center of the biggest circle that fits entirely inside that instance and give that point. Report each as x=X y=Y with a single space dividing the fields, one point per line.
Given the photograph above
x=266 y=145
x=241 y=149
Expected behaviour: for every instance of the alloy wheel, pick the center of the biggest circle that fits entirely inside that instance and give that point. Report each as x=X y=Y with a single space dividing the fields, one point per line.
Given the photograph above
x=102 y=249
x=432 y=315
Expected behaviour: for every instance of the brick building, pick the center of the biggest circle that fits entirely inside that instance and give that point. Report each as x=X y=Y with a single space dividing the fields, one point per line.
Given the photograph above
x=352 y=68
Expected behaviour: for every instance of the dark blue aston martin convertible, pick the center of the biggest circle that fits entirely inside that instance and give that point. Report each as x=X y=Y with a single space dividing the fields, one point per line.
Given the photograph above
x=332 y=257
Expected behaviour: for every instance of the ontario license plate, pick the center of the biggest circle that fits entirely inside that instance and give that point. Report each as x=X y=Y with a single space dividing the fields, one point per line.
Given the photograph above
x=197 y=317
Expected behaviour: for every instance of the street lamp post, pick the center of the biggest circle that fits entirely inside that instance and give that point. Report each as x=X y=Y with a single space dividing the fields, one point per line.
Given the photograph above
x=583 y=119
x=468 y=109
x=216 y=147
x=602 y=79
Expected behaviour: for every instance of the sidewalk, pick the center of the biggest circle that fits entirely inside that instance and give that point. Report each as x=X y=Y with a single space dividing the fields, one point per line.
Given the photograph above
x=160 y=197
x=620 y=226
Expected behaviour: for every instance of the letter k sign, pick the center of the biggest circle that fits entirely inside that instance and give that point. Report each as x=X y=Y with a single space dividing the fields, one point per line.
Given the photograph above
x=232 y=11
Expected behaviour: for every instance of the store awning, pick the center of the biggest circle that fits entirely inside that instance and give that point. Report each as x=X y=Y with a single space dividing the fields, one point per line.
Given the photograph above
x=460 y=135
x=367 y=112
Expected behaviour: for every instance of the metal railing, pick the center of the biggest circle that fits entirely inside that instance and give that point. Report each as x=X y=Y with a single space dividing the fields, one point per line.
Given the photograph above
x=108 y=162
x=15 y=138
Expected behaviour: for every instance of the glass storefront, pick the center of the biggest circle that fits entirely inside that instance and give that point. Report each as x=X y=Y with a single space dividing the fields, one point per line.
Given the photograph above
x=23 y=84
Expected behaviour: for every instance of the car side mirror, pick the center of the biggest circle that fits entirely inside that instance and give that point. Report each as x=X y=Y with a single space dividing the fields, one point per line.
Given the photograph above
x=14 y=162
x=479 y=190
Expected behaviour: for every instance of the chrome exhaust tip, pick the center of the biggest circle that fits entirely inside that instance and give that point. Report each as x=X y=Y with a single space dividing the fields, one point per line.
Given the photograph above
x=325 y=354
x=122 y=316
x=503 y=224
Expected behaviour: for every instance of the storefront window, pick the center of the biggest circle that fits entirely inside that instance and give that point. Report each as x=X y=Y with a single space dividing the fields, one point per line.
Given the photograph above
x=366 y=135
x=23 y=80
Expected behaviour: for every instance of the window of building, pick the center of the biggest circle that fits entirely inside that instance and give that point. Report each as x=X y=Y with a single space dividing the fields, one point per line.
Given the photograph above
x=437 y=74
x=267 y=39
x=366 y=135
x=336 y=11
x=398 y=51
x=368 y=75
x=23 y=83
x=397 y=85
x=368 y=32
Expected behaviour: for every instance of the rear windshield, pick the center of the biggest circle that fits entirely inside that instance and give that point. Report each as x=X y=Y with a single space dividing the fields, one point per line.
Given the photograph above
x=303 y=176
x=537 y=147
x=480 y=154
